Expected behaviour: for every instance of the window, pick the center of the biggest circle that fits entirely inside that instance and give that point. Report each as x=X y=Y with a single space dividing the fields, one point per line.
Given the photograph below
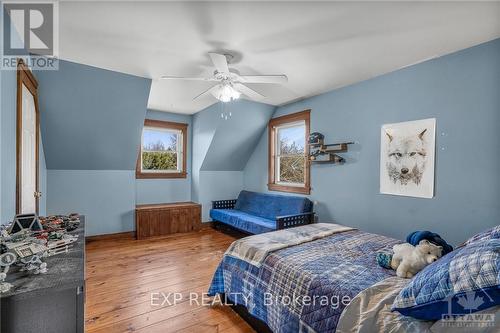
x=163 y=150
x=288 y=153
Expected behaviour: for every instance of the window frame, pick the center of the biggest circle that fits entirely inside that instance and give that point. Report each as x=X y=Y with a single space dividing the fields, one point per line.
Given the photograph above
x=164 y=125
x=273 y=127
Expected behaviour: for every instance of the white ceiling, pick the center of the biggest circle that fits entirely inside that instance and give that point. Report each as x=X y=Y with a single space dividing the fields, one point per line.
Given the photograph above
x=320 y=46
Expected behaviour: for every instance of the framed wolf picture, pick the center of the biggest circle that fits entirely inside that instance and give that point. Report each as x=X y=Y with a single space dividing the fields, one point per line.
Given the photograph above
x=407 y=158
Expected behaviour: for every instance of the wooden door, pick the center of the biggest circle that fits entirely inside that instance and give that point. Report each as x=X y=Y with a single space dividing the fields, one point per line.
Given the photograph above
x=27 y=142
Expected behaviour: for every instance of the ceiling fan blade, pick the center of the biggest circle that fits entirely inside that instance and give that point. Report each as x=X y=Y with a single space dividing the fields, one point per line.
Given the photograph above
x=210 y=90
x=248 y=91
x=167 y=77
x=264 y=78
x=220 y=62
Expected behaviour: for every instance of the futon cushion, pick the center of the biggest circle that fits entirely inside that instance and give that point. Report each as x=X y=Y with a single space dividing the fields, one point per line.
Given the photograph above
x=243 y=221
x=270 y=206
x=463 y=281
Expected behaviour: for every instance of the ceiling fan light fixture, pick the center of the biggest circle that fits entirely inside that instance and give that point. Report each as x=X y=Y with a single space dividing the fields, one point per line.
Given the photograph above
x=230 y=84
x=228 y=93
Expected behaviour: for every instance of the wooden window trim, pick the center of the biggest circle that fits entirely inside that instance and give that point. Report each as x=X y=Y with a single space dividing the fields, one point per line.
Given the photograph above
x=24 y=76
x=164 y=175
x=273 y=123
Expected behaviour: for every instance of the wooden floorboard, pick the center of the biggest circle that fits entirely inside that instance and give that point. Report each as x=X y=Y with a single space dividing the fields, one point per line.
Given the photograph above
x=123 y=273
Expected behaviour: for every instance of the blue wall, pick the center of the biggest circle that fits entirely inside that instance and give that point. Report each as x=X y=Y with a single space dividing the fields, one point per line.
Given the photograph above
x=1 y=161
x=91 y=125
x=8 y=91
x=221 y=149
x=461 y=90
x=106 y=197
x=8 y=143
x=1 y=130
x=92 y=118
x=235 y=138
x=167 y=190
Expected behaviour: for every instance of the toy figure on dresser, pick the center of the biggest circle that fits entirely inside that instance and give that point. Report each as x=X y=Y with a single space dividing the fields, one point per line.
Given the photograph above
x=57 y=222
x=61 y=244
x=29 y=239
x=19 y=246
x=56 y=228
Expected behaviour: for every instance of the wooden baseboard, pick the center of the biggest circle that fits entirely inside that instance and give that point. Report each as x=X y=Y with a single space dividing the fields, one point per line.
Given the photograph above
x=118 y=235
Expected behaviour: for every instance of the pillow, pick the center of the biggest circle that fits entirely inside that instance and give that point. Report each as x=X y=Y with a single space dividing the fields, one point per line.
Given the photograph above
x=463 y=281
x=493 y=233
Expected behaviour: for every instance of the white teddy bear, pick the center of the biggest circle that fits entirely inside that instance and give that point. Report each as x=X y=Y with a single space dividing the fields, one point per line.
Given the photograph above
x=408 y=260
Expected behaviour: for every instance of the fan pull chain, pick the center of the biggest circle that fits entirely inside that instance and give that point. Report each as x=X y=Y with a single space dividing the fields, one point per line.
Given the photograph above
x=224 y=114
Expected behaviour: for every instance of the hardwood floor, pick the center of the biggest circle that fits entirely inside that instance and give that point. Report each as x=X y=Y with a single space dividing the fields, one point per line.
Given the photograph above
x=124 y=275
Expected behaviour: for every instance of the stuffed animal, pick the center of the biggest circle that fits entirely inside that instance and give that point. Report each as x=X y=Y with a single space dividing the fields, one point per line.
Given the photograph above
x=408 y=260
x=415 y=237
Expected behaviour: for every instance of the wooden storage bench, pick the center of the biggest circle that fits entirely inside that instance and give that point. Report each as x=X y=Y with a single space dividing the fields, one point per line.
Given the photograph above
x=165 y=219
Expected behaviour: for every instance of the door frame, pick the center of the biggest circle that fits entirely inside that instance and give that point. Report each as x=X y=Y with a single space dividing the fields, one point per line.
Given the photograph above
x=24 y=76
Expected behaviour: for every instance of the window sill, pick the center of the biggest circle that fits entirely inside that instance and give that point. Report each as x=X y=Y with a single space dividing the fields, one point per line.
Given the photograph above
x=166 y=175
x=290 y=189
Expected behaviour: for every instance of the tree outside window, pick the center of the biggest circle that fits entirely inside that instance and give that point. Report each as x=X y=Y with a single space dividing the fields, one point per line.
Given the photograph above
x=163 y=148
x=288 y=153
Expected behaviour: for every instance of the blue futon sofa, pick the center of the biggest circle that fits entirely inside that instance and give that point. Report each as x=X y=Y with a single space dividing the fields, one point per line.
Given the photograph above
x=256 y=213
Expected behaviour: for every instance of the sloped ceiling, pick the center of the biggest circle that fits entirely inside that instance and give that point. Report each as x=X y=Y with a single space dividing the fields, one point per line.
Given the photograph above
x=320 y=45
x=234 y=139
x=91 y=119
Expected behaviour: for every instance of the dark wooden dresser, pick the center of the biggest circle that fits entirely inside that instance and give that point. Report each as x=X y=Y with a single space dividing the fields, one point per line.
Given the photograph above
x=51 y=302
x=165 y=219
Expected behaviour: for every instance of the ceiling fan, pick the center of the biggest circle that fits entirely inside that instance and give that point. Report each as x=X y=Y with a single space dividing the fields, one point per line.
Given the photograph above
x=230 y=85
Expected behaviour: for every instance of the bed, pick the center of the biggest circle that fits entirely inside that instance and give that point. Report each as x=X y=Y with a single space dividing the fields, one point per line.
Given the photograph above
x=316 y=278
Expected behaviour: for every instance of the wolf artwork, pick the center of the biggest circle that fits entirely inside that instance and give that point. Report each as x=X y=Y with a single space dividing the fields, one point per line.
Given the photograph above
x=407 y=158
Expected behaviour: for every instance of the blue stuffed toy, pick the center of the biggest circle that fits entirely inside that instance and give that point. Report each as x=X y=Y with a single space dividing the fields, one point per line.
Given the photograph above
x=415 y=237
x=384 y=258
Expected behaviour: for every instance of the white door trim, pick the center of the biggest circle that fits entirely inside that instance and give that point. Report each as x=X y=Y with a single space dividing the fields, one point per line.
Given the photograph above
x=26 y=79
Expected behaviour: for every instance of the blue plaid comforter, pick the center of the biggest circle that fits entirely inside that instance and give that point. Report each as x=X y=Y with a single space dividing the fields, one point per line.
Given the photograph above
x=305 y=288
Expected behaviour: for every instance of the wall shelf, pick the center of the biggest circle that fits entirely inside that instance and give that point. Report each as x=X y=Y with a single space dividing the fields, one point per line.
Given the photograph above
x=321 y=153
x=331 y=159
